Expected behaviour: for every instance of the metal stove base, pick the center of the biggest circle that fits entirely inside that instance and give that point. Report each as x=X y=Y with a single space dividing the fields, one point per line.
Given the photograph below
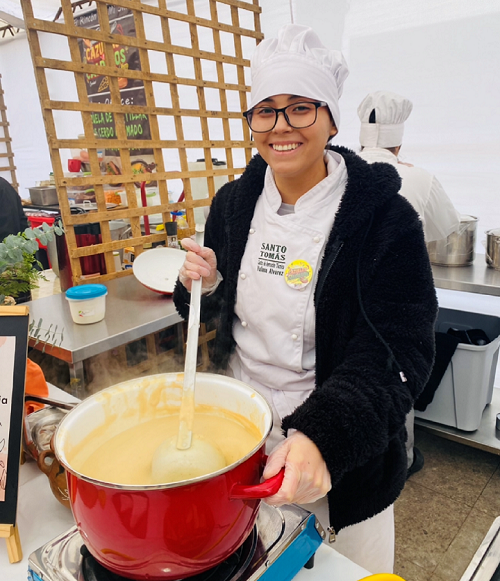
x=288 y=537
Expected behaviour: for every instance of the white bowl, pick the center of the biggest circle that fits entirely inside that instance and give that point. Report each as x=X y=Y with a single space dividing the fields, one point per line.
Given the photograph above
x=158 y=268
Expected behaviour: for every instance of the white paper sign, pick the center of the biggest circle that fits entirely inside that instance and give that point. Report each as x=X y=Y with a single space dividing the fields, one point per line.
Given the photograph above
x=7 y=351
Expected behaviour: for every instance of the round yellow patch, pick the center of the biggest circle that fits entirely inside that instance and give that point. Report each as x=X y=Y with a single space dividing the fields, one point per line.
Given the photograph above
x=298 y=274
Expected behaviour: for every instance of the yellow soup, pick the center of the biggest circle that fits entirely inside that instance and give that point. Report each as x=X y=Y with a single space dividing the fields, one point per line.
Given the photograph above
x=125 y=458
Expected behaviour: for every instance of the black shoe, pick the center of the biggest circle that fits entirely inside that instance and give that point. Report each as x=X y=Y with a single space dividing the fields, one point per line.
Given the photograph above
x=418 y=463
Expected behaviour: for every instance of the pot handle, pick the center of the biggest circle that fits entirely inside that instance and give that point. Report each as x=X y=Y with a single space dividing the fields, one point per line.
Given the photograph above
x=45 y=468
x=64 y=405
x=262 y=490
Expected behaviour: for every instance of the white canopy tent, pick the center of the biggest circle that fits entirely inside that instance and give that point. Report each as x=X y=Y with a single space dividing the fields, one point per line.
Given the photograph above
x=442 y=54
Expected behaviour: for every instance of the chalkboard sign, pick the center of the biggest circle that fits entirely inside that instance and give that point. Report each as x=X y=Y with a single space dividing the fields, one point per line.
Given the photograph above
x=14 y=323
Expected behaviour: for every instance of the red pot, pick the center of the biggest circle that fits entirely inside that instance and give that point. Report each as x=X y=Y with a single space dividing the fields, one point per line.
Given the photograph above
x=170 y=531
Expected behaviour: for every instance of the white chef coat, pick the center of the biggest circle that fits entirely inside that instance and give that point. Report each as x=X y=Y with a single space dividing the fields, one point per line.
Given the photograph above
x=274 y=330
x=274 y=324
x=424 y=192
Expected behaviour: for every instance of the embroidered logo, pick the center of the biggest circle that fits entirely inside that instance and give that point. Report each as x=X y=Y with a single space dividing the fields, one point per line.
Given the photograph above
x=272 y=259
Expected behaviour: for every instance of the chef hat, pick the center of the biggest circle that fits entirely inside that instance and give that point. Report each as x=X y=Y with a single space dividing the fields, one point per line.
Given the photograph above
x=391 y=111
x=297 y=63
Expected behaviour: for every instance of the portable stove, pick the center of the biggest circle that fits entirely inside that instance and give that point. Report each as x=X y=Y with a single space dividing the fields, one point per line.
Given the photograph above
x=283 y=541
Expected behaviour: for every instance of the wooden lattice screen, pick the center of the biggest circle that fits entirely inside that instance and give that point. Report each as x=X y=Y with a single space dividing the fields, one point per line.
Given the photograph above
x=7 y=157
x=216 y=71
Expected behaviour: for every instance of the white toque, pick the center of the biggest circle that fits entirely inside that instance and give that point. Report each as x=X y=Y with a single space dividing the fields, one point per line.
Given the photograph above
x=391 y=111
x=297 y=63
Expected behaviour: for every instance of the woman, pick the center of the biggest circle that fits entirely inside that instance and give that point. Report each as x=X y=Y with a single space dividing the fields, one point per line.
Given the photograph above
x=317 y=274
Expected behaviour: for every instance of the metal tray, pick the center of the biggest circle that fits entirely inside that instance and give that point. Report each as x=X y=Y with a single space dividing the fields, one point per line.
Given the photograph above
x=43 y=195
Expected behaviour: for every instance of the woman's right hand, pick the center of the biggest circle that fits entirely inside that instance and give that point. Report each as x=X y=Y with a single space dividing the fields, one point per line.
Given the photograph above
x=307 y=478
x=200 y=262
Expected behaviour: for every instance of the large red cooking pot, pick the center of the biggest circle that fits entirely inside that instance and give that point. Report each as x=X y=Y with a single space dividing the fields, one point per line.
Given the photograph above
x=169 y=531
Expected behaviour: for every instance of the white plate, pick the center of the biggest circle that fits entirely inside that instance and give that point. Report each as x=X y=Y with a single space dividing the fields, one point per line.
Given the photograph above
x=158 y=268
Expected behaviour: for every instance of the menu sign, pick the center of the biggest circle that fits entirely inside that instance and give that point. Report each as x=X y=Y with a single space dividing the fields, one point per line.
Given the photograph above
x=7 y=352
x=13 y=354
x=132 y=92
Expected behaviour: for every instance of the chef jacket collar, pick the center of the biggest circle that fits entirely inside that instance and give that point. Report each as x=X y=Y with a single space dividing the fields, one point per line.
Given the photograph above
x=335 y=166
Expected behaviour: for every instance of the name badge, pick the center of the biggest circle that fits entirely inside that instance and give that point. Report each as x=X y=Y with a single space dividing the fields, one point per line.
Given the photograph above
x=298 y=274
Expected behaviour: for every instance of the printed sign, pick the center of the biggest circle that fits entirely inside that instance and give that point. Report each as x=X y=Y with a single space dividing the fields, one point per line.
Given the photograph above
x=7 y=352
x=13 y=354
x=132 y=92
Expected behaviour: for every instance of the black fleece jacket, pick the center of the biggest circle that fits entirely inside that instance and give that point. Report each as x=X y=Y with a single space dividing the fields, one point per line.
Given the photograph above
x=375 y=310
x=12 y=216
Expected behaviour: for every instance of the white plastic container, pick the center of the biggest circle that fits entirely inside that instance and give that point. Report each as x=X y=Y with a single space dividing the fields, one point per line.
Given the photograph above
x=87 y=303
x=467 y=385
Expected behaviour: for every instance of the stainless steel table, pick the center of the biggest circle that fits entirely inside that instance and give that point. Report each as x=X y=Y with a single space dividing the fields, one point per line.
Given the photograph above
x=476 y=278
x=486 y=437
x=132 y=312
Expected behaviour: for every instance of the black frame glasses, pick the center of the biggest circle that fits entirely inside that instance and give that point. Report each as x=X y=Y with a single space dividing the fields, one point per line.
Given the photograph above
x=248 y=114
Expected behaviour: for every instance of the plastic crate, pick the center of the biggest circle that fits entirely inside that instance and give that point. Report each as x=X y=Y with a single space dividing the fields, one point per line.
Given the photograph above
x=467 y=385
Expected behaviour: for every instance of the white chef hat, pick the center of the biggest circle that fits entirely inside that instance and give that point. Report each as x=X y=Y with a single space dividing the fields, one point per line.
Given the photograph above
x=391 y=111
x=297 y=63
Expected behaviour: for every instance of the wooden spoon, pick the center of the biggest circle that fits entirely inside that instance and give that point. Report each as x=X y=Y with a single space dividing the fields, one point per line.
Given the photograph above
x=190 y=455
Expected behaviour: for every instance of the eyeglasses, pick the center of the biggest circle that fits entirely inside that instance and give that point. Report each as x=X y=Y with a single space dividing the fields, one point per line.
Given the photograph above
x=298 y=115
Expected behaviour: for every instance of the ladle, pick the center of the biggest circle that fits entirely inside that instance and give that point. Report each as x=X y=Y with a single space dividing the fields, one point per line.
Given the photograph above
x=190 y=455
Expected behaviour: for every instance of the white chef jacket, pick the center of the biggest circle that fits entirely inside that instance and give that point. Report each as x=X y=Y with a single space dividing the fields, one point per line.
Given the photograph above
x=274 y=324
x=424 y=192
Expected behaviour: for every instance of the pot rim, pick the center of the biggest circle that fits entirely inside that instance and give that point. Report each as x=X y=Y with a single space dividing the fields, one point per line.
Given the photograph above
x=147 y=487
x=468 y=218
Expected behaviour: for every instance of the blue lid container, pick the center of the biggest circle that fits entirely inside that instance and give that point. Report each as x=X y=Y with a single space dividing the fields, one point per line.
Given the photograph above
x=86 y=291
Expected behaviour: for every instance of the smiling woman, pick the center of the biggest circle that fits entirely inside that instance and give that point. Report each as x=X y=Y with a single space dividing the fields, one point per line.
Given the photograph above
x=307 y=312
x=292 y=144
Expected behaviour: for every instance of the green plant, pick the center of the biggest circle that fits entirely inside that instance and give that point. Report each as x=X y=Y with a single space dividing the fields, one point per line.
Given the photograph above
x=19 y=268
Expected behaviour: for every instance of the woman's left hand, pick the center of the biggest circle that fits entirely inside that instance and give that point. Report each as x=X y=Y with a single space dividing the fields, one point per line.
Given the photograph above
x=307 y=478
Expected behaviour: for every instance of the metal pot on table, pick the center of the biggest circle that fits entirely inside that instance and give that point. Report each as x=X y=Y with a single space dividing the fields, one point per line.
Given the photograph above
x=43 y=195
x=458 y=248
x=493 y=248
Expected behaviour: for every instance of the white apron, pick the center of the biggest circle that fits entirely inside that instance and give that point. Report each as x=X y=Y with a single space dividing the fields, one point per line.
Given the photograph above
x=274 y=329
